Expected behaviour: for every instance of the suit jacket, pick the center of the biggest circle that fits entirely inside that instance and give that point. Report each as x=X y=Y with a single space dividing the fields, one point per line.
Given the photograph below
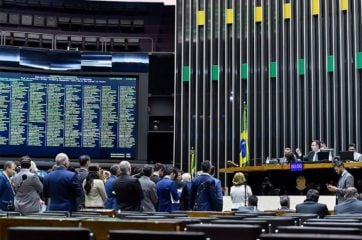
x=165 y=189
x=345 y=181
x=6 y=193
x=312 y=207
x=63 y=189
x=96 y=196
x=128 y=193
x=310 y=156
x=206 y=193
x=150 y=194
x=349 y=206
x=28 y=190
x=82 y=174
x=111 y=202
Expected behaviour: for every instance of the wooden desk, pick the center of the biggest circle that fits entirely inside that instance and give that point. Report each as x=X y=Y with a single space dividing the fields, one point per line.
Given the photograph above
x=101 y=227
x=6 y=222
x=286 y=167
x=197 y=214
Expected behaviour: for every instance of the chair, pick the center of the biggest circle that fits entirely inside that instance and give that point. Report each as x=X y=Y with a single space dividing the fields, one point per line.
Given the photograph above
x=320 y=230
x=154 y=235
x=307 y=236
x=333 y=224
x=263 y=224
x=147 y=217
x=227 y=231
x=202 y=219
x=274 y=222
x=86 y=215
x=46 y=233
x=227 y=217
x=302 y=217
x=335 y=220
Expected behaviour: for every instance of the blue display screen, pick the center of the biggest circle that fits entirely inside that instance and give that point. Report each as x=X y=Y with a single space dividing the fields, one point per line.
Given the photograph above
x=296 y=166
x=43 y=114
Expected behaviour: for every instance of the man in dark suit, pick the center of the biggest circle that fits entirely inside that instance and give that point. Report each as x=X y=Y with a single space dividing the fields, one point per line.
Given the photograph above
x=351 y=205
x=311 y=205
x=62 y=186
x=128 y=189
x=6 y=188
x=345 y=181
x=313 y=155
x=167 y=190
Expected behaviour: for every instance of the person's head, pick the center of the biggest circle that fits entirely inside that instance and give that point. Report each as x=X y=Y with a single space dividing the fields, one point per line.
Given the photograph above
x=323 y=145
x=125 y=168
x=186 y=177
x=171 y=172
x=351 y=192
x=159 y=169
x=25 y=162
x=84 y=161
x=239 y=179
x=351 y=147
x=287 y=150
x=93 y=173
x=338 y=167
x=253 y=201
x=313 y=195
x=9 y=168
x=284 y=201
x=147 y=170
x=315 y=146
x=114 y=170
x=62 y=159
x=206 y=166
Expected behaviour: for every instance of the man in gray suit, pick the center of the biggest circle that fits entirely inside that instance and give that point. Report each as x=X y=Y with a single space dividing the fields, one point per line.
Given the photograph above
x=351 y=205
x=345 y=181
x=149 y=190
x=27 y=187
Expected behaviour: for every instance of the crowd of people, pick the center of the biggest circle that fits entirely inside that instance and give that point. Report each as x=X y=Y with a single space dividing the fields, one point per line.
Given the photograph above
x=152 y=188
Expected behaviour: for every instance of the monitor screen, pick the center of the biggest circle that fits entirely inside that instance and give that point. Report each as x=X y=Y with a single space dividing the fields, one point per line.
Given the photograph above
x=44 y=114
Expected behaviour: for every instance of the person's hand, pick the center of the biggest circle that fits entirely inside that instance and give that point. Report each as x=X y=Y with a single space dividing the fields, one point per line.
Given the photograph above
x=331 y=188
x=299 y=153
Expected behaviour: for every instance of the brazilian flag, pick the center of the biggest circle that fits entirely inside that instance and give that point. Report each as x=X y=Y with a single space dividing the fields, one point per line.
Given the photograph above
x=244 y=149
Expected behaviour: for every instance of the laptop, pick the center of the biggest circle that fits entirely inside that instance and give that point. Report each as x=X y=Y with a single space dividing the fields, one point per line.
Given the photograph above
x=323 y=156
x=346 y=156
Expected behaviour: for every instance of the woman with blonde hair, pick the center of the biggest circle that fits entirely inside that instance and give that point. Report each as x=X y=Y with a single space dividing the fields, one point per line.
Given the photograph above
x=240 y=192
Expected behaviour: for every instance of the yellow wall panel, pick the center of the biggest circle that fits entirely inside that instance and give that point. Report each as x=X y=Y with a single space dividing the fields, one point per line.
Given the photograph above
x=258 y=14
x=201 y=18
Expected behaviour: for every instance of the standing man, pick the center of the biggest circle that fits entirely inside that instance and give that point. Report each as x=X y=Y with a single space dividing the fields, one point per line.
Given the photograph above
x=159 y=172
x=84 y=162
x=128 y=189
x=27 y=189
x=316 y=148
x=111 y=202
x=62 y=186
x=167 y=190
x=345 y=181
x=206 y=193
x=6 y=189
x=149 y=190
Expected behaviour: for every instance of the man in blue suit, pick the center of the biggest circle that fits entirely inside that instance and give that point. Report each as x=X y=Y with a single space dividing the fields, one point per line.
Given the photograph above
x=6 y=188
x=351 y=205
x=62 y=186
x=111 y=202
x=206 y=192
x=167 y=190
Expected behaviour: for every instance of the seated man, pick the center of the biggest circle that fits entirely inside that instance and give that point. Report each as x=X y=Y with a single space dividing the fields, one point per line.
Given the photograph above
x=351 y=205
x=284 y=203
x=252 y=205
x=311 y=205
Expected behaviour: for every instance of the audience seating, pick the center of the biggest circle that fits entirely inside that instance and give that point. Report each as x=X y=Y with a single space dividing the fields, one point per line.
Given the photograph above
x=307 y=236
x=47 y=233
x=202 y=219
x=333 y=224
x=227 y=231
x=302 y=217
x=320 y=230
x=335 y=220
x=274 y=222
x=154 y=235
x=263 y=224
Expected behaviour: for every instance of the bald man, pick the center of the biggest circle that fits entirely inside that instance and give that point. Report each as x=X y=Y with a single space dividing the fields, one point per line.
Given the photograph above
x=62 y=186
x=128 y=189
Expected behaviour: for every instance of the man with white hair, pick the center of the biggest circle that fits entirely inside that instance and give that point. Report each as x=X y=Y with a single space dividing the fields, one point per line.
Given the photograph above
x=350 y=205
x=62 y=186
x=128 y=189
